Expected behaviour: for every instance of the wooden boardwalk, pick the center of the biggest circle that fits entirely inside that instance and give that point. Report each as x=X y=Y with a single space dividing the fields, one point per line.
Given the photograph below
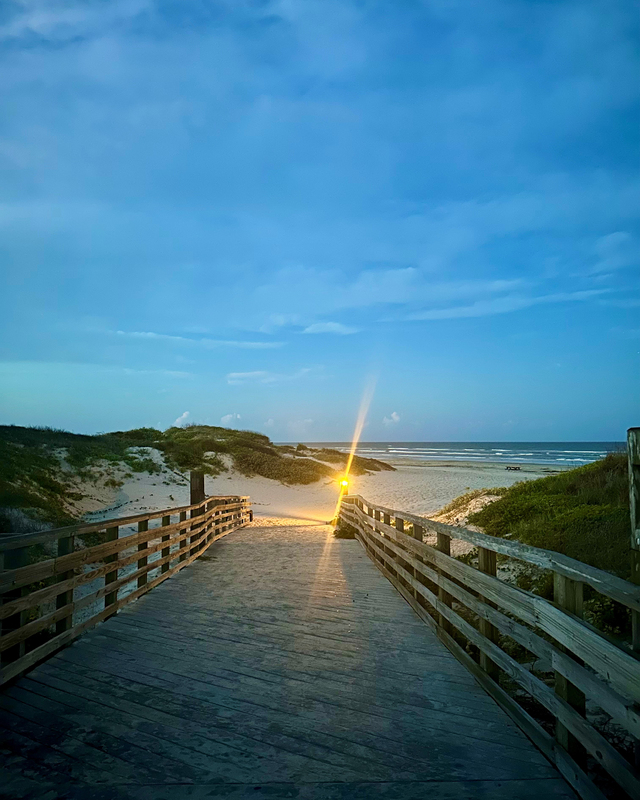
x=280 y=664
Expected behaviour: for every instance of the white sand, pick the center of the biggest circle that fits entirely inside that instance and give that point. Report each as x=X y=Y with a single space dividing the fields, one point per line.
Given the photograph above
x=420 y=489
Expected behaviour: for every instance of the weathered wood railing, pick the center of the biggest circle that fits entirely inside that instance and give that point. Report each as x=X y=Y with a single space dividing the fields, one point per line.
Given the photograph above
x=59 y=583
x=471 y=609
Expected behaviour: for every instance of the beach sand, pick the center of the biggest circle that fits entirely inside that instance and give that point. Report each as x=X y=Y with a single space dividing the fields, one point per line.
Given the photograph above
x=417 y=488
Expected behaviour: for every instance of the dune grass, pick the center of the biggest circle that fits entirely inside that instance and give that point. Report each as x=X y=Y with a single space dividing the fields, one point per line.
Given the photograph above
x=583 y=513
x=31 y=477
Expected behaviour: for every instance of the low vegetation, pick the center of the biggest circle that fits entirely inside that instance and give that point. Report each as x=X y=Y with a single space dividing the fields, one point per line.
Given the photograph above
x=583 y=513
x=42 y=469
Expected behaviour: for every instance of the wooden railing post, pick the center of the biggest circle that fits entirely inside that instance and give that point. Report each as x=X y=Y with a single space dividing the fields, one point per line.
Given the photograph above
x=142 y=562
x=196 y=483
x=65 y=546
x=183 y=542
x=13 y=559
x=165 y=550
x=417 y=531
x=110 y=577
x=443 y=544
x=567 y=594
x=633 y=454
x=487 y=564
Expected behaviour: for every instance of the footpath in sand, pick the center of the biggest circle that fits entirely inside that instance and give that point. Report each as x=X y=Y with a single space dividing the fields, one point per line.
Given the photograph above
x=280 y=664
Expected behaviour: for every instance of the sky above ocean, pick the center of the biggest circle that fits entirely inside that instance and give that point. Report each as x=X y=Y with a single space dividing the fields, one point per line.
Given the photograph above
x=237 y=213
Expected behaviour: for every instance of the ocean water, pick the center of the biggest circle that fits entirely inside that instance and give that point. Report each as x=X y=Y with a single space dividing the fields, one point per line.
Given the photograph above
x=559 y=453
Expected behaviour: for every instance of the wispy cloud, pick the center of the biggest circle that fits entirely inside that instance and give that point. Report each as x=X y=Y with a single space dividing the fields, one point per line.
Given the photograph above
x=392 y=419
x=264 y=376
x=330 y=327
x=505 y=305
x=59 y=21
x=209 y=344
x=227 y=419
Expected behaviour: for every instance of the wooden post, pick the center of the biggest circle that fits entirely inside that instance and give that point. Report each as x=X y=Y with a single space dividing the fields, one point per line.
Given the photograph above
x=633 y=454
x=65 y=546
x=165 y=550
x=567 y=593
x=487 y=564
x=13 y=559
x=110 y=577
x=142 y=562
x=417 y=531
x=386 y=518
x=183 y=542
x=443 y=544
x=196 y=481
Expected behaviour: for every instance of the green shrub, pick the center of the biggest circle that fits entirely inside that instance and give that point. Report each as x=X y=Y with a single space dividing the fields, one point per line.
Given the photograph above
x=583 y=513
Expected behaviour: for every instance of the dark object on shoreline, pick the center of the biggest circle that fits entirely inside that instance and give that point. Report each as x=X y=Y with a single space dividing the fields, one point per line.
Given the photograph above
x=514 y=469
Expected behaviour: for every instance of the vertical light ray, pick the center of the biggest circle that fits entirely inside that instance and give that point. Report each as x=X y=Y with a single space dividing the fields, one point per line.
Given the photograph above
x=360 y=421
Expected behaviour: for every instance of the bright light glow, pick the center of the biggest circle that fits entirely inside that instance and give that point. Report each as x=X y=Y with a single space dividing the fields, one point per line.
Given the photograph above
x=361 y=419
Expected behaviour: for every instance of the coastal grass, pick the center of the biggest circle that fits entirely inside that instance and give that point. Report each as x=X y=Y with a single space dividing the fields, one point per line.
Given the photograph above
x=41 y=468
x=583 y=513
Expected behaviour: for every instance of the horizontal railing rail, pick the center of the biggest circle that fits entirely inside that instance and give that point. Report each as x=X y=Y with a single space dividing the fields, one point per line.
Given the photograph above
x=57 y=584
x=472 y=610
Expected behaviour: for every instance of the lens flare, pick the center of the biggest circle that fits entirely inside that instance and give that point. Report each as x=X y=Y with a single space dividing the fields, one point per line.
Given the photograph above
x=361 y=419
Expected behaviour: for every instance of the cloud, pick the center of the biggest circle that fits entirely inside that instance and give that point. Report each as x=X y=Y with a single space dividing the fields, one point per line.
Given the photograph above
x=330 y=327
x=264 y=376
x=206 y=343
x=229 y=418
x=60 y=21
x=616 y=251
x=269 y=423
x=505 y=305
x=391 y=420
x=182 y=419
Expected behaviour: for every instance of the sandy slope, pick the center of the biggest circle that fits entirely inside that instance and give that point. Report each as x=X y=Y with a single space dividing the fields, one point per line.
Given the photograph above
x=419 y=489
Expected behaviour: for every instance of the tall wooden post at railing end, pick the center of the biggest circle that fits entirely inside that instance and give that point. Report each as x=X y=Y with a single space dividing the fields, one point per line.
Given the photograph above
x=633 y=454
x=196 y=484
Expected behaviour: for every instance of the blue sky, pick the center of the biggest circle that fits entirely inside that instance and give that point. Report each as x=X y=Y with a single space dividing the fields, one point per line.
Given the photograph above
x=239 y=212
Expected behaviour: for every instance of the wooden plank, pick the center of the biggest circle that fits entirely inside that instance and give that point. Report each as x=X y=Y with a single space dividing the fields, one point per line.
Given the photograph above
x=597 y=746
x=619 y=667
x=16 y=617
x=41 y=652
x=604 y=582
x=568 y=595
x=166 y=521
x=11 y=541
x=487 y=564
x=111 y=577
x=65 y=598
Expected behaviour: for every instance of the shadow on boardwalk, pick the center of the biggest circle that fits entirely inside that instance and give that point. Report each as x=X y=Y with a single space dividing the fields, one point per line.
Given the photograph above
x=281 y=664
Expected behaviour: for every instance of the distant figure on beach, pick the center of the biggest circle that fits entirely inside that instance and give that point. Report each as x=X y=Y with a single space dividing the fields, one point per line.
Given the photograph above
x=513 y=468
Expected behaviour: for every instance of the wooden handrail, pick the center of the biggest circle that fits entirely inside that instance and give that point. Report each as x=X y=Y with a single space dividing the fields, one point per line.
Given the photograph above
x=604 y=582
x=11 y=541
x=37 y=620
x=468 y=606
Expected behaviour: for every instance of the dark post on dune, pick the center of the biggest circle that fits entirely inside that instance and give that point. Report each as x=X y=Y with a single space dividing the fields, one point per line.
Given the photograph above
x=196 y=481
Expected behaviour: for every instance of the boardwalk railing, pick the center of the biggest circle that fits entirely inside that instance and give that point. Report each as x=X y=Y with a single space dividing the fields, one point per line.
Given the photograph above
x=59 y=583
x=475 y=612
